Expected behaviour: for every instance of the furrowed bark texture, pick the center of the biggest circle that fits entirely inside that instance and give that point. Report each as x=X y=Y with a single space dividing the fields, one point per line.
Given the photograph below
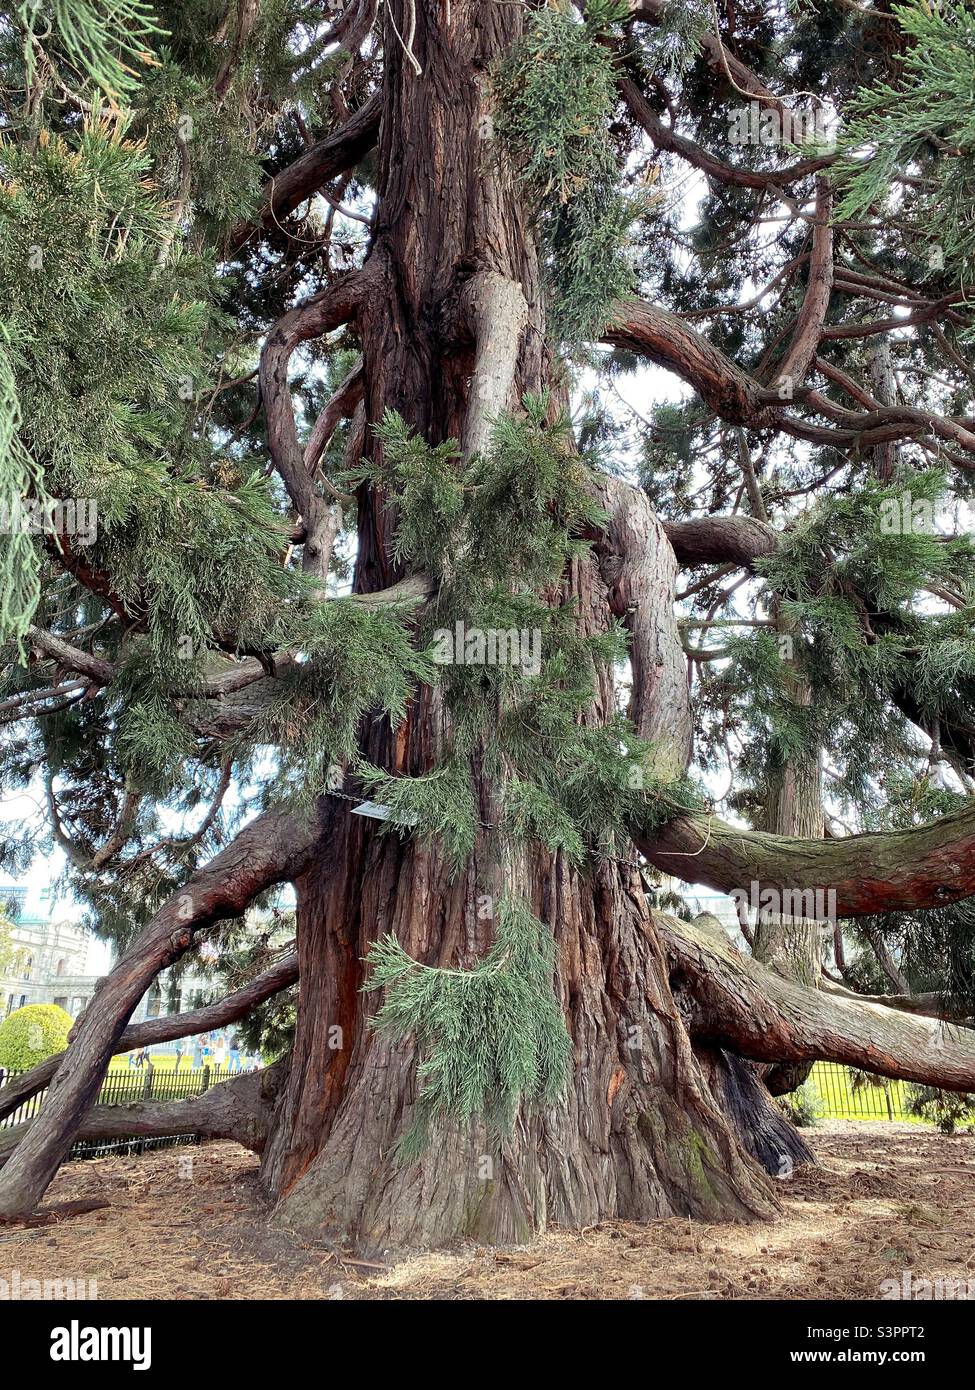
x=455 y=334
x=734 y=1002
x=926 y=866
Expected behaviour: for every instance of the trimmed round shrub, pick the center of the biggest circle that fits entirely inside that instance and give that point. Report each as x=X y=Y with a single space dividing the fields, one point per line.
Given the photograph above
x=32 y=1034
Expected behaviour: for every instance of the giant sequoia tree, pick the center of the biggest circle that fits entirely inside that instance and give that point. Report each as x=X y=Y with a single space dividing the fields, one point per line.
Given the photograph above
x=515 y=417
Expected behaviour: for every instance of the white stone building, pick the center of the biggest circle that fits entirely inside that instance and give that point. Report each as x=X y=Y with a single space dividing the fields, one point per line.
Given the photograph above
x=51 y=960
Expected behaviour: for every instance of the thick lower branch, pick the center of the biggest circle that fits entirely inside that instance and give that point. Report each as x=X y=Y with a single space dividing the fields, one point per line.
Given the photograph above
x=890 y=871
x=273 y=848
x=750 y=1010
x=716 y=540
x=342 y=149
x=240 y=1109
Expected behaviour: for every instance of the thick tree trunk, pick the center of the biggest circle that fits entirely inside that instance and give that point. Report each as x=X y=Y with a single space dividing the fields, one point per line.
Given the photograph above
x=639 y=1134
x=457 y=336
x=784 y=941
x=659 y=1117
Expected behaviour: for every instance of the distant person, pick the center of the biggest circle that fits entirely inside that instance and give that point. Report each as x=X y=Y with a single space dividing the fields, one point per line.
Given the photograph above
x=179 y=1055
x=197 y=1054
x=234 y=1055
x=221 y=1052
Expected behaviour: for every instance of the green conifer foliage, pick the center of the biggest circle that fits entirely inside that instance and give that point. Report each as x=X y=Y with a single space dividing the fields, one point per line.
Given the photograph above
x=144 y=261
x=490 y=1038
x=556 y=93
x=20 y=588
x=105 y=41
x=925 y=121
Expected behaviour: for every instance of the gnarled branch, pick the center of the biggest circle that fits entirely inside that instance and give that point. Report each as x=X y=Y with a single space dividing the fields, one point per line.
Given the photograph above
x=736 y=1003
x=273 y=848
x=336 y=152
x=889 y=871
x=240 y=1108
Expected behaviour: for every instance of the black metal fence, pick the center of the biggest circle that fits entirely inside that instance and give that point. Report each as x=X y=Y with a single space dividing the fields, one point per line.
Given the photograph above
x=121 y=1088
x=844 y=1094
x=840 y=1094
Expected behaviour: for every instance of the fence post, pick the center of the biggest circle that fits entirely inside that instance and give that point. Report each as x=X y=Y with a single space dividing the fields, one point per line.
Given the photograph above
x=146 y=1094
x=205 y=1078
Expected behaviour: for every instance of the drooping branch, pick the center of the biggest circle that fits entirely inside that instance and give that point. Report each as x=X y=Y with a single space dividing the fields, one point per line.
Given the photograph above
x=741 y=541
x=720 y=58
x=738 y=399
x=311 y=319
x=736 y=1003
x=885 y=959
x=925 y=866
x=666 y=138
x=240 y=1108
x=279 y=976
x=273 y=848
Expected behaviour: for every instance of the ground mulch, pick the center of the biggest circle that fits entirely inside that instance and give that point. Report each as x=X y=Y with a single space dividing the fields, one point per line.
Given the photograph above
x=190 y=1223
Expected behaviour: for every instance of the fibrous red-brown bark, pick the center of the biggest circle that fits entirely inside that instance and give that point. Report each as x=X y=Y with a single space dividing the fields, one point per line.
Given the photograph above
x=456 y=337
x=640 y=1133
x=757 y=1013
x=662 y=1115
